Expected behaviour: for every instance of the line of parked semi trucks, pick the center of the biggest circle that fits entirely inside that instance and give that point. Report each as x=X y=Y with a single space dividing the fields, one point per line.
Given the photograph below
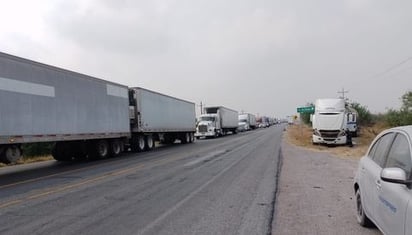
x=91 y=118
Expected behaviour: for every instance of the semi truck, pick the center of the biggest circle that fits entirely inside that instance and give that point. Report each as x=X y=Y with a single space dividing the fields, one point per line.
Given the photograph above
x=329 y=123
x=217 y=121
x=247 y=121
x=86 y=117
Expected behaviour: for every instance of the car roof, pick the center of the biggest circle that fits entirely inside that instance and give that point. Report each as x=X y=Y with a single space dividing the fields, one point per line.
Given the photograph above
x=407 y=129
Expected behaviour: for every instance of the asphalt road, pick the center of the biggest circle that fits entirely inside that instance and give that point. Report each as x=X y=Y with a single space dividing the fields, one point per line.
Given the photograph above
x=214 y=186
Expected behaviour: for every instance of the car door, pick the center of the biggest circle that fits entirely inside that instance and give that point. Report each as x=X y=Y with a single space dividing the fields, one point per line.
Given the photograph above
x=394 y=198
x=371 y=168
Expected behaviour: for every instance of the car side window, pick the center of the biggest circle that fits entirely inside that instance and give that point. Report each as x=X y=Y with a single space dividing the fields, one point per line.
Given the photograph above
x=400 y=155
x=373 y=149
x=382 y=147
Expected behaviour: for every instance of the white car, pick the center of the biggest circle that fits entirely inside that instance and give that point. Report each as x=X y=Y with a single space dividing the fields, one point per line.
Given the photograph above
x=383 y=185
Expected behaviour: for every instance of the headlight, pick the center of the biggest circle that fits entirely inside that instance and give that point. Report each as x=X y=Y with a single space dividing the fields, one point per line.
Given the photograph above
x=316 y=132
x=342 y=133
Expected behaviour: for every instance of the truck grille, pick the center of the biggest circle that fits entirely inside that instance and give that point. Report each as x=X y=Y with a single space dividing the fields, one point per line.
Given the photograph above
x=202 y=128
x=329 y=134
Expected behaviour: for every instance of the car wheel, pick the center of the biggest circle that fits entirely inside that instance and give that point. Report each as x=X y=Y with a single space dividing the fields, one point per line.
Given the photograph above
x=361 y=217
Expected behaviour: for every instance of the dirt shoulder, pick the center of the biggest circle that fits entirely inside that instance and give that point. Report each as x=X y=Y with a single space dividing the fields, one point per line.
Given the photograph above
x=315 y=194
x=301 y=135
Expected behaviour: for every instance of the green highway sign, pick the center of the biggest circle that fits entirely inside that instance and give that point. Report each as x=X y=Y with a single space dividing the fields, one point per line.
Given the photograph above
x=309 y=109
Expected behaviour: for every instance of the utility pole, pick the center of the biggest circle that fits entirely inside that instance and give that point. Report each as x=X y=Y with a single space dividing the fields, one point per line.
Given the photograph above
x=343 y=93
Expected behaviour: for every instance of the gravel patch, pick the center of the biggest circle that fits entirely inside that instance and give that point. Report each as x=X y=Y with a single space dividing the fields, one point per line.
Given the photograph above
x=315 y=194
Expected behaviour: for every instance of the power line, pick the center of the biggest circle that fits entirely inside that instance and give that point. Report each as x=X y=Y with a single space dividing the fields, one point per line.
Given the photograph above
x=392 y=68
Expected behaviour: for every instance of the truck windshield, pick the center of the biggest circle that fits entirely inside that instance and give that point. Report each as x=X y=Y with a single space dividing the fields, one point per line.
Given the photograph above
x=242 y=120
x=210 y=119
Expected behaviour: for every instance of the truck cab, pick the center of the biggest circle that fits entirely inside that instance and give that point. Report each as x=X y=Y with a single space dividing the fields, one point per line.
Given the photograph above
x=329 y=122
x=208 y=126
x=243 y=123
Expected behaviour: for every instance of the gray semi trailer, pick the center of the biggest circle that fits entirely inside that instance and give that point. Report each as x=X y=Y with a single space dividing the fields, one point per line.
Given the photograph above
x=86 y=117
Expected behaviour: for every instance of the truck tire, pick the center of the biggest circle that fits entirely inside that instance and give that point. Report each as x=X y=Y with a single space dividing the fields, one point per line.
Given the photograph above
x=115 y=148
x=137 y=143
x=62 y=152
x=11 y=154
x=192 y=138
x=185 y=138
x=150 y=144
x=141 y=143
x=98 y=149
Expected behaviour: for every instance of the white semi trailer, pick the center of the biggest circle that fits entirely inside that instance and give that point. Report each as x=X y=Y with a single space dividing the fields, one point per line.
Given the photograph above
x=86 y=117
x=247 y=121
x=217 y=121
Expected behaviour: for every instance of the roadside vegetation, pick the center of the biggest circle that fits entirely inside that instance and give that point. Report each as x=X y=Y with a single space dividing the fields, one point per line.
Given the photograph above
x=370 y=126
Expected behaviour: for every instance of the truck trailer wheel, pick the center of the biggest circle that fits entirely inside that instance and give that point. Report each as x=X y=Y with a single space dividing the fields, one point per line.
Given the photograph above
x=115 y=148
x=98 y=149
x=137 y=143
x=185 y=138
x=141 y=143
x=11 y=154
x=150 y=144
x=192 y=138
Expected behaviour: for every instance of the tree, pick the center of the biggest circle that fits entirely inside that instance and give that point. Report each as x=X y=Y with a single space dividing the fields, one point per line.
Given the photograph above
x=305 y=117
x=404 y=115
x=37 y=149
x=407 y=102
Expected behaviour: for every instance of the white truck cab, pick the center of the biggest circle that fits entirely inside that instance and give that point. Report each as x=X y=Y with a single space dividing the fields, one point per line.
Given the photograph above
x=329 y=122
x=208 y=126
x=217 y=121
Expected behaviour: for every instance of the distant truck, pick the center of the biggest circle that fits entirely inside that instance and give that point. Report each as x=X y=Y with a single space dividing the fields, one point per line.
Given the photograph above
x=86 y=117
x=263 y=122
x=247 y=122
x=217 y=121
x=331 y=122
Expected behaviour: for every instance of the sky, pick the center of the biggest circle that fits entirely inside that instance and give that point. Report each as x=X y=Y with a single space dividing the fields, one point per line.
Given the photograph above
x=265 y=57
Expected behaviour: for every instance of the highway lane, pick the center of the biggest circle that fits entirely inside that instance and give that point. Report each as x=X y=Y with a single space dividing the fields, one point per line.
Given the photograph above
x=214 y=186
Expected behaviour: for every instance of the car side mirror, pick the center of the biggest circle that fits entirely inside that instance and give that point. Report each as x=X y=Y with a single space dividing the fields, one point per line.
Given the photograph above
x=394 y=175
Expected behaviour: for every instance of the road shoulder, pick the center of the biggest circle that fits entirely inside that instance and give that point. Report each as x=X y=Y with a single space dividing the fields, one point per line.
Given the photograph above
x=315 y=194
